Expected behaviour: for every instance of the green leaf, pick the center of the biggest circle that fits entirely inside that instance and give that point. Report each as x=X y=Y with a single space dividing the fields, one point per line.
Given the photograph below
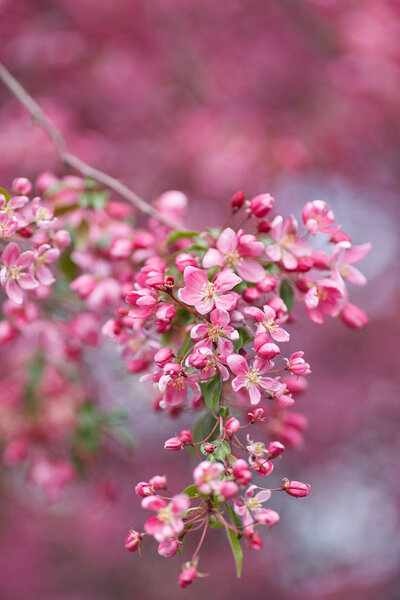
x=191 y=490
x=211 y=390
x=215 y=232
x=287 y=294
x=5 y=193
x=214 y=523
x=237 y=550
x=177 y=235
x=235 y=519
x=244 y=338
x=220 y=453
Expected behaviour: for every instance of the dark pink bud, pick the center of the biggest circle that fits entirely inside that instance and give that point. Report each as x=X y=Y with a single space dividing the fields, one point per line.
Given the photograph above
x=187 y=576
x=7 y=332
x=295 y=385
x=251 y=294
x=320 y=259
x=172 y=369
x=340 y=236
x=133 y=540
x=256 y=415
x=169 y=282
x=285 y=401
x=261 y=205
x=264 y=347
x=237 y=201
x=137 y=366
x=62 y=238
x=267 y=284
x=158 y=482
x=143 y=489
x=232 y=426
x=21 y=186
x=228 y=489
x=209 y=448
x=186 y=437
x=241 y=472
x=25 y=232
x=173 y=443
x=298 y=489
x=268 y=517
x=185 y=260
x=254 y=540
x=275 y=449
x=263 y=226
x=163 y=356
x=198 y=360
x=353 y=316
x=165 y=311
x=304 y=264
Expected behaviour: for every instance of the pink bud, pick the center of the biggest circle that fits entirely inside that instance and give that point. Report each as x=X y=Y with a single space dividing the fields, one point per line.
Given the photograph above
x=256 y=415
x=187 y=576
x=232 y=426
x=158 y=482
x=121 y=248
x=275 y=449
x=209 y=448
x=133 y=540
x=198 y=360
x=241 y=472
x=168 y=548
x=163 y=356
x=285 y=401
x=186 y=437
x=143 y=489
x=340 y=236
x=251 y=294
x=173 y=443
x=62 y=238
x=295 y=385
x=320 y=259
x=268 y=517
x=353 y=316
x=263 y=226
x=185 y=260
x=296 y=420
x=264 y=347
x=254 y=540
x=228 y=489
x=21 y=186
x=298 y=489
x=263 y=467
x=237 y=201
x=261 y=205
x=83 y=285
x=137 y=366
x=7 y=332
x=267 y=284
x=304 y=264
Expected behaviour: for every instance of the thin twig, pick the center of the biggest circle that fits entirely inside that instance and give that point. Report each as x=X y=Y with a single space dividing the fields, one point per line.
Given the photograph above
x=73 y=161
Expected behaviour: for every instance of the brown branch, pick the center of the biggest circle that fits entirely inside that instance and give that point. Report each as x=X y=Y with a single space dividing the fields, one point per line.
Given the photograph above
x=73 y=161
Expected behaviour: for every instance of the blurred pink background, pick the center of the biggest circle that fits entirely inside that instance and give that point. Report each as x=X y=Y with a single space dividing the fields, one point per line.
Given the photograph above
x=299 y=99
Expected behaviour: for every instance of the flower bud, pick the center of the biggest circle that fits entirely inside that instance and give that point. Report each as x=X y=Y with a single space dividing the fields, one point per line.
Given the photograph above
x=143 y=489
x=268 y=517
x=275 y=449
x=185 y=260
x=263 y=466
x=15 y=452
x=83 y=285
x=209 y=448
x=304 y=264
x=285 y=401
x=163 y=356
x=186 y=437
x=7 y=332
x=261 y=205
x=256 y=415
x=267 y=284
x=137 y=365
x=228 y=490
x=320 y=260
x=62 y=238
x=253 y=540
x=237 y=201
x=353 y=316
x=251 y=294
x=263 y=226
x=232 y=426
x=187 y=576
x=198 y=360
x=264 y=347
x=298 y=489
x=297 y=365
x=133 y=540
x=168 y=548
x=173 y=443
x=158 y=482
x=21 y=186
x=241 y=472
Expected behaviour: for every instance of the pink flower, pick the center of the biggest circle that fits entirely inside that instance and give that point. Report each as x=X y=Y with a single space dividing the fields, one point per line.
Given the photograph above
x=345 y=258
x=8 y=225
x=250 y=509
x=261 y=205
x=287 y=247
x=251 y=377
x=324 y=298
x=12 y=276
x=167 y=523
x=174 y=385
x=218 y=331
x=267 y=322
x=204 y=294
x=168 y=548
x=317 y=217
x=143 y=301
x=21 y=186
x=297 y=365
x=235 y=250
x=205 y=359
x=353 y=316
x=187 y=576
x=133 y=540
x=45 y=255
x=206 y=475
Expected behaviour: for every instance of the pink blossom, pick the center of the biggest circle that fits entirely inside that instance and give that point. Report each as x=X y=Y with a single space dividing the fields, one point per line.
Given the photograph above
x=261 y=205
x=345 y=258
x=353 y=316
x=44 y=255
x=286 y=246
x=8 y=225
x=318 y=217
x=143 y=301
x=218 y=331
x=297 y=365
x=21 y=186
x=236 y=250
x=168 y=522
x=232 y=426
x=241 y=472
x=12 y=276
x=174 y=384
x=168 y=548
x=267 y=322
x=324 y=298
x=251 y=378
x=204 y=294
x=206 y=476
x=250 y=508
x=133 y=540
x=187 y=576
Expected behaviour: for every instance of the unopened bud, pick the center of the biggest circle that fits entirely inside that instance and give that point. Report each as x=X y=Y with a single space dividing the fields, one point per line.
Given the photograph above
x=298 y=489
x=209 y=448
x=133 y=540
x=21 y=186
x=163 y=356
x=256 y=415
x=275 y=449
x=158 y=482
x=173 y=443
x=237 y=201
x=261 y=205
x=232 y=426
x=186 y=437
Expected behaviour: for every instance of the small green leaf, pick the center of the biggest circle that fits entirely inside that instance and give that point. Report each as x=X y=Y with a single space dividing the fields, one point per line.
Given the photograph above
x=237 y=550
x=287 y=294
x=5 y=193
x=177 y=235
x=191 y=490
x=222 y=450
x=244 y=338
x=211 y=390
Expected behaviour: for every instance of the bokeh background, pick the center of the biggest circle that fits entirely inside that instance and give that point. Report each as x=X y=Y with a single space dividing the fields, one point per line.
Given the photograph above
x=299 y=99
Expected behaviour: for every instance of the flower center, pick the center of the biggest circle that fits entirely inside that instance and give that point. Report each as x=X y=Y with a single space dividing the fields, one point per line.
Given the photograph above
x=288 y=240
x=164 y=514
x=15 y=272
x=207 y=290
x=178 y=383
x=270 y=325
x=232 y=259
x=43 y=214
x=252 y=377
x=214 y=332
x=252 y=503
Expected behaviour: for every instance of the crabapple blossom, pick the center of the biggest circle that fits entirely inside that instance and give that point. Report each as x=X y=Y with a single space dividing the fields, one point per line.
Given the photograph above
x=168 y=522
x=251 y=377
x=12 y=275
x=204 y=294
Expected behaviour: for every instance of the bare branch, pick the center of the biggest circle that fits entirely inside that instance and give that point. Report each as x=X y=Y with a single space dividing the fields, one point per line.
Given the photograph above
x=74 y=161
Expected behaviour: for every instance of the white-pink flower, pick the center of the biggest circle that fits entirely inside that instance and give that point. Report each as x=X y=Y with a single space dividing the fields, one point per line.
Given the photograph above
x=12 y=276
x=267 y=322
x=324 y=298
x=286 y=247
x=345 y=258
x=204 y=294
x=44 y=255
x=168 y=522
x=237 y=250
x=318 y=217
x=251 y=510
x=218 y=331
x=251 y=378
x=206 y=476
x=8 y=225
